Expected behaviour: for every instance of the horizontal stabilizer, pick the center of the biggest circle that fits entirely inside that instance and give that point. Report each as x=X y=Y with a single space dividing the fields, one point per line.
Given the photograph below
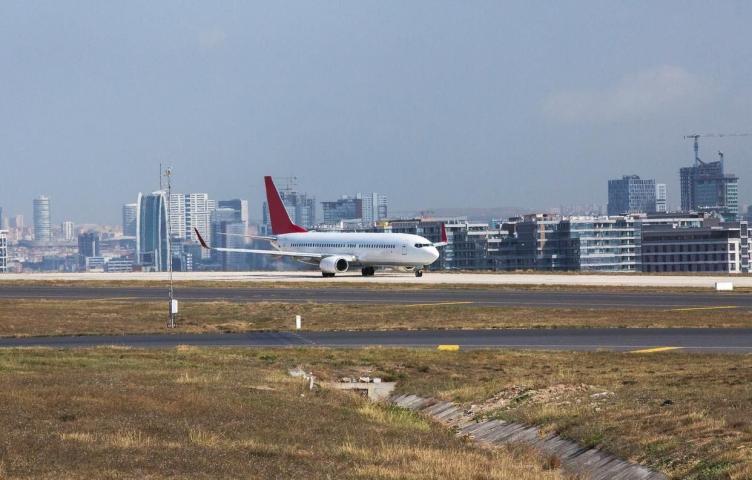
x=443 y=241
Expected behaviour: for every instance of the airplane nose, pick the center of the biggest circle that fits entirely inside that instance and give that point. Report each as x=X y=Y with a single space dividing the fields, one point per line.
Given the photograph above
x=434 y=253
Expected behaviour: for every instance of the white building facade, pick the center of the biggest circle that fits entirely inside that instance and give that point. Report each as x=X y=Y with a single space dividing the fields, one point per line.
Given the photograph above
x=189 y=211
x=3 y=251
x=374 y=207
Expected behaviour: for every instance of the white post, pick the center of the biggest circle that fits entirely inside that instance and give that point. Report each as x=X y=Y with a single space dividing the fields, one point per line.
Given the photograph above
x=298 y=322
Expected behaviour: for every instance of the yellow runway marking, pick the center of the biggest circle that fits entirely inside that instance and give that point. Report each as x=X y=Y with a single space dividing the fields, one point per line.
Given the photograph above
x=724 y=307
x=655 y=350
x=448 y=348
x=438 y=303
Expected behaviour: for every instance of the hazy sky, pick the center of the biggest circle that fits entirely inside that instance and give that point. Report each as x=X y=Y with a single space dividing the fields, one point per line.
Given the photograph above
x=443 y=104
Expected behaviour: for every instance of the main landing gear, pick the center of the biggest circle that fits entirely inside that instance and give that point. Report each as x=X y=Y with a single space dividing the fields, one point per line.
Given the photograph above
x=418 y=273
x=327 y=274
x=367 y=271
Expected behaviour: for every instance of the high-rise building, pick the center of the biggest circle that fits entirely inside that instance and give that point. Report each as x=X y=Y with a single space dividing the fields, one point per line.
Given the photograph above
x=300 y=206
x=18 y=222
x=661 y=198
x=3 y=251
x=67 y=228
x=706 y=188
x=234 y=261
x=189 y=211
x=345 y=208
x=2 y=220
x=228 y=231
x=221 y=216
x=631 y=194
x=241 y=206
x=88 y=246
x=152 y=244
x=130 y=212
x=374 y=207
x=42 y=225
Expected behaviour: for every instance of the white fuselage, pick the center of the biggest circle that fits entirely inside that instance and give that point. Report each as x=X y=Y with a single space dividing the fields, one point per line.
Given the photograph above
x=366 y=249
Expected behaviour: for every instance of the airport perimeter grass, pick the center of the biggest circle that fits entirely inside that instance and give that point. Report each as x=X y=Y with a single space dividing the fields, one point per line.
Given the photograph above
x=688 y=415
x=190 y=413
x=31 y=317
x=216 y=413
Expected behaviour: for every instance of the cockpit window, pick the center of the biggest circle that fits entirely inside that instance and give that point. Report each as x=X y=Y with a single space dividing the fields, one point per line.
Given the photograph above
x=421 y=245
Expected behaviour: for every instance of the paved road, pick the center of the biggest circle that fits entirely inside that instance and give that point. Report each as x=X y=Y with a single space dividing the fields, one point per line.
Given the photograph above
x=437 y=295
x=688 y=339
x=430 y=278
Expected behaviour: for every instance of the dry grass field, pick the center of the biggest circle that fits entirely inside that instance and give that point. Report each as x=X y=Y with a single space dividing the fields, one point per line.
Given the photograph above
x=218 y=413
x=688 y=415
x=79 y=317
x=190 y=413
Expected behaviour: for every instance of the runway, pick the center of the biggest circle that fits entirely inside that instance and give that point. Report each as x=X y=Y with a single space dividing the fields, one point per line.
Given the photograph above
x=642 y=340
x=363 y=296
x=387 y=277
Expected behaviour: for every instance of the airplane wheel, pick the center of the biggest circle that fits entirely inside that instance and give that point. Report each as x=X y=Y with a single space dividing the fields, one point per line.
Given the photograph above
x=327 y=275
x=418 y=273
x=368 y=271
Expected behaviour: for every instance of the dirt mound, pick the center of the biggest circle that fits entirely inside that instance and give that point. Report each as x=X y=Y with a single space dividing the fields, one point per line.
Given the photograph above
x=517 y=395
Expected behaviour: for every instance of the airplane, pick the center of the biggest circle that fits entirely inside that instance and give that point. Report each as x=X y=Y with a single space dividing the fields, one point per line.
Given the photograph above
x=336 y=252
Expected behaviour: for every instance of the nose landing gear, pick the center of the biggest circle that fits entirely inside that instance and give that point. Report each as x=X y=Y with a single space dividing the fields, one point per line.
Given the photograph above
x=418 y=273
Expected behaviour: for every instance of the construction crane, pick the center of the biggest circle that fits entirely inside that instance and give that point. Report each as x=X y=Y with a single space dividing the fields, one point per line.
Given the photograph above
x=696 y=136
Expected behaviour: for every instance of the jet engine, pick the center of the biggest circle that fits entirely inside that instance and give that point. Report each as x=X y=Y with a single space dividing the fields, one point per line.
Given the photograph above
x=334 y=264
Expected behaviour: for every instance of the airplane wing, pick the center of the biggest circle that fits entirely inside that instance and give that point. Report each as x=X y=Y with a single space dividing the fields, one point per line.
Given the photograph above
x=255 y=237
x=279 y=253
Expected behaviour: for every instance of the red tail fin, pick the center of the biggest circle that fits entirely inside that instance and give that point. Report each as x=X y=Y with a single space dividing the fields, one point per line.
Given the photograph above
x=281 y=222
x=443 y=233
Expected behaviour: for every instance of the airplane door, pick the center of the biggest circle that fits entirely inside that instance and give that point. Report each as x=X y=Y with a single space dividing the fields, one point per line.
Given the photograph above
x=404 y=249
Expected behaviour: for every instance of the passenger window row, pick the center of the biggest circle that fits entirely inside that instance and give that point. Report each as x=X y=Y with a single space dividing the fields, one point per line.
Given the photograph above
x=342 y=245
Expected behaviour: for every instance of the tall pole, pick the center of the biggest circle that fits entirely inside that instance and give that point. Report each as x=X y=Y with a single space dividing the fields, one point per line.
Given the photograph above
x=173 y=309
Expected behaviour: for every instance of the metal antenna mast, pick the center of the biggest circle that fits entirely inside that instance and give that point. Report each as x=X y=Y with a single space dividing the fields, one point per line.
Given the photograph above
x=173 y=302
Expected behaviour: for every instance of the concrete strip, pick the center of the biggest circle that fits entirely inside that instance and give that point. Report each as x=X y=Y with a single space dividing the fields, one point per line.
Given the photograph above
x=588 y=463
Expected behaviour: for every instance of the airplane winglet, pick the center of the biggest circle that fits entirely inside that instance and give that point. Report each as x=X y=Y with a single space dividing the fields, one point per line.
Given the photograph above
x=201 y=239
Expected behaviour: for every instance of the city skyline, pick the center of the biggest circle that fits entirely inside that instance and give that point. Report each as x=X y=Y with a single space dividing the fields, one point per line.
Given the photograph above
x=518 y=105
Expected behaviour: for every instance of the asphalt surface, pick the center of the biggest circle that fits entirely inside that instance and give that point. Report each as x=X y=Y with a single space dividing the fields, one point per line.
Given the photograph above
x=687 y=339
x=365 y=296
x=488 y=279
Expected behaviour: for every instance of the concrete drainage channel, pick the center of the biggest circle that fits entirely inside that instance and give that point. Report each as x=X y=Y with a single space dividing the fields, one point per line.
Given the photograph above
x=371 y=387
x=587 y=462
